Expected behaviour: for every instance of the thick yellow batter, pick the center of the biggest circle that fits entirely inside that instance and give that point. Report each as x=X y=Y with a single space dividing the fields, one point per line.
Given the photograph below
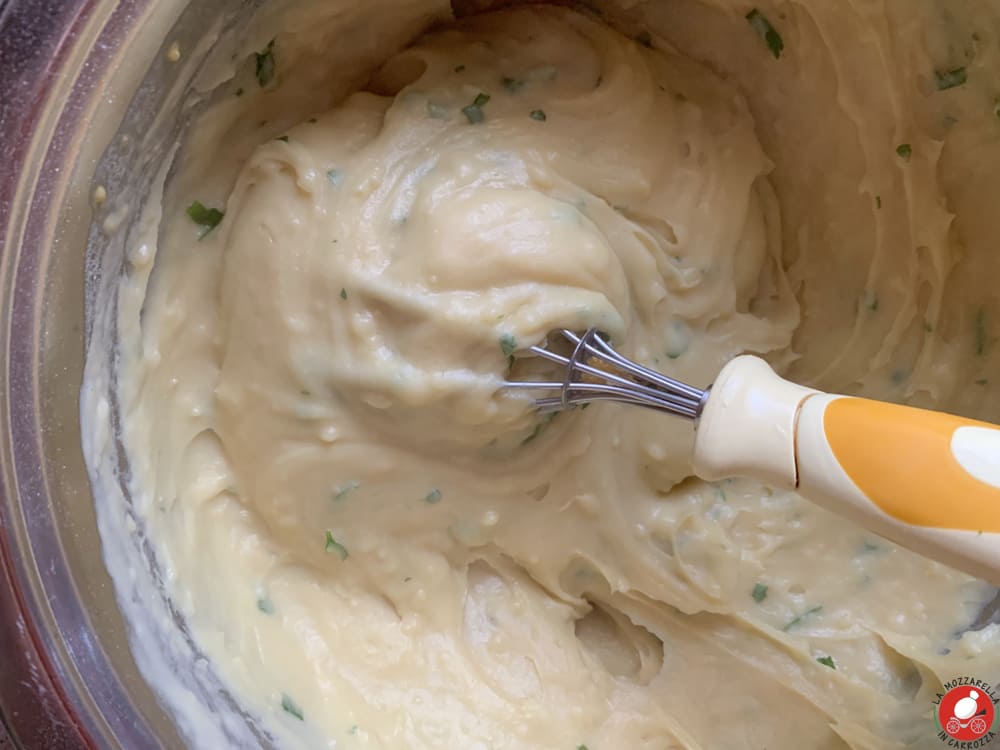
x=377 y=549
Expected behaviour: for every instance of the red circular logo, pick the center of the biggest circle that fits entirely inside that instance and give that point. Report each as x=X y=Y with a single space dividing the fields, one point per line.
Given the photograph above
x=966 y=712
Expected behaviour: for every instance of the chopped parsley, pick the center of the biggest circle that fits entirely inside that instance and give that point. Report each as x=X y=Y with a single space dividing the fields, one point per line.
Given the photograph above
x=871 y=300
x=508 y=344
x=949 y=79
x=343 y=293
x=582 y=747
x=239 y=91
x=541 y=425
x=334 y=177
x=474 y=111
x=799 y=618
x=904 y=151
x=827 y=661
x=538 y=114
x=291 y=707
x=513 y=85
x=767 y=32
x=265 y=64
x=996 y=107
x=332 y=545
x=436 y=111
x=282 y=138
x=432 y=497
x=759 y=592
x=207 y=218
x=265 y=605
x=979 y=330
x=878 y=201
x=459 y=68
x=312 y=120
x=345 y=489
x=644 y=38
x=982 y=381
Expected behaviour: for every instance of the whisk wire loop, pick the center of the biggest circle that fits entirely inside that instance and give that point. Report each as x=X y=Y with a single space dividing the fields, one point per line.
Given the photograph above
x=594 y=371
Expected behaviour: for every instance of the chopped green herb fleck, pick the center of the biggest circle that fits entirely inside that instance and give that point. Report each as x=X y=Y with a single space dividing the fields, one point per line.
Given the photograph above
x=511 y=84
x=291 y=707
x=878 y=201
x=353 y=729
x=899 y=376
x=799 y=618
x=474 y=111
x=473 y=114
x=759 y=592
x=980 y=331
x=537 y=430
x=265 y=64
x=582 y=747
x=459 y=68
x=312 y=120
x=334 y=177
x=996 y=107
x=432 y=497
x=282 y=138
x=206 y=218
x=644 y=38
x=767 y=32
x=265 y=605
x=982 y=381
x=332 y=545
x=905 y=151
x=538 y=114
x=867 y=546
x=928 y=327
x=949 y=79
x=239 y=92
x=827 y=661
x=343 y=293
x=436 y=111
x=346 y=489
x=508 y=344
x=871 y=300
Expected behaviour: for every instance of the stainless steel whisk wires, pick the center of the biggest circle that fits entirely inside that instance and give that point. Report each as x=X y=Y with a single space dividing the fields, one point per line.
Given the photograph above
x=596 y=372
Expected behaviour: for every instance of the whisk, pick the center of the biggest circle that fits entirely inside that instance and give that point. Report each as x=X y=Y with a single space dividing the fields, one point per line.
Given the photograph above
x=927 y=480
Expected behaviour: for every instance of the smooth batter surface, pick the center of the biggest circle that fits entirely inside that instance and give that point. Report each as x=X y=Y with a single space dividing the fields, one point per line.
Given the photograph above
x=376 y=549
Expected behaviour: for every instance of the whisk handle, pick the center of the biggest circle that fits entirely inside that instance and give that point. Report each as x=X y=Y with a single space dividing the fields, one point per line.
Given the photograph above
x=927 y=480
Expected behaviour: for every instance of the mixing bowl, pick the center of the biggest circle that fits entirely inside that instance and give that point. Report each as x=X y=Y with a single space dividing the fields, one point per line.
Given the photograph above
x=69 y=69
x=79 y=80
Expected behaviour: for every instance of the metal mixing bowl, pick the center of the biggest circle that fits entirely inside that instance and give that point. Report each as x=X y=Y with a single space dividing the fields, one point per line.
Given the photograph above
x=68 y=70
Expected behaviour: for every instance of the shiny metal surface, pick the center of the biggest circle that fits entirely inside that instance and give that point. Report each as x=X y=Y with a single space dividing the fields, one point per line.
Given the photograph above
x=593 y=371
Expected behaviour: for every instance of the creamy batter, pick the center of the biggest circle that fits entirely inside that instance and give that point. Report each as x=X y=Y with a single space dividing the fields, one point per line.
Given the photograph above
x=378 y=548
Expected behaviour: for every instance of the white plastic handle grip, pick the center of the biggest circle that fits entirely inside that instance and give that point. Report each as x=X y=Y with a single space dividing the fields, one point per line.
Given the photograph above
x=929 y=481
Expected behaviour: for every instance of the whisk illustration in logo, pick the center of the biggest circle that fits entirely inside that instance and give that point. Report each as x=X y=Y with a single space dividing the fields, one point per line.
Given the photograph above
x=966 y=712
